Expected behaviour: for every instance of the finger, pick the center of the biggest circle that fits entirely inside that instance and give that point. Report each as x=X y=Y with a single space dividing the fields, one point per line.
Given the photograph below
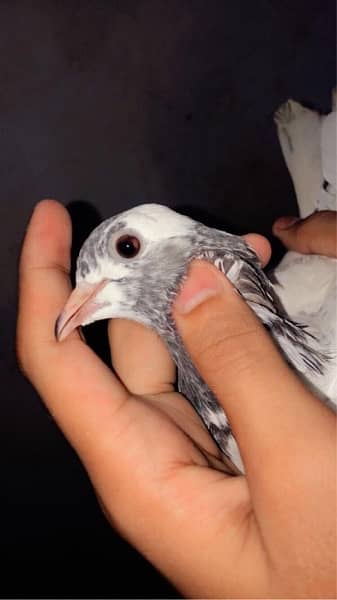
x=140 y=358
x=317 y=234
x=260 y=245
x=45 y=261
x=262 y=397
x=77 y=387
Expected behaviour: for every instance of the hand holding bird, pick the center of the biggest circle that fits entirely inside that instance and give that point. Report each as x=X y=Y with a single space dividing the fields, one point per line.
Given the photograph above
x=150 y=459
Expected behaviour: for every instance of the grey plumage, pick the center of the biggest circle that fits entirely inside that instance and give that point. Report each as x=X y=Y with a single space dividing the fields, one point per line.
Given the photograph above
x=143 y=288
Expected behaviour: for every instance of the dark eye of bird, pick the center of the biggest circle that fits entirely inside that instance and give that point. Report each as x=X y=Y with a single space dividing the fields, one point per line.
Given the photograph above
x=128 y=246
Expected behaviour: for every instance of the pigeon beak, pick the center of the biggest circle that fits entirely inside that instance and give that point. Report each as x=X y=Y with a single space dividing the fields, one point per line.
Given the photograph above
x=82 y=303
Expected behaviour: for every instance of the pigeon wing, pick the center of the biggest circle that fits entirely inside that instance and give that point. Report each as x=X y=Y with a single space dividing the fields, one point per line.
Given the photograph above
x=294 y=340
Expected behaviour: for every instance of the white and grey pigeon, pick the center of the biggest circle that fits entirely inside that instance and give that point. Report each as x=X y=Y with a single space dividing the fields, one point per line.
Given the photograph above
x=132 y=265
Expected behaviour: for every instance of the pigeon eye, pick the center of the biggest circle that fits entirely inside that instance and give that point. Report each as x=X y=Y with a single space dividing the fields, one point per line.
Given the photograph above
x=128 y=246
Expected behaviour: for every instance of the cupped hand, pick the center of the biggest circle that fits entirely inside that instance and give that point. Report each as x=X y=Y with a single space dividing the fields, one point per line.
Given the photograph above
x=154 y=467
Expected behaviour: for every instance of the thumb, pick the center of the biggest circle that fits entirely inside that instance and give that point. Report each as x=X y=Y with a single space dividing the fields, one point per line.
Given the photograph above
x=314 y=235
x=239 y=361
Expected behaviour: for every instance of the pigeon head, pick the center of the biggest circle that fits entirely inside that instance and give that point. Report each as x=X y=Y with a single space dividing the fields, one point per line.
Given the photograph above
x=132 y=265
x=129 y=265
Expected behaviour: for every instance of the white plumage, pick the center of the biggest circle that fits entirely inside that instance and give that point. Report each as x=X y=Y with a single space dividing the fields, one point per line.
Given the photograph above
x=307 y=284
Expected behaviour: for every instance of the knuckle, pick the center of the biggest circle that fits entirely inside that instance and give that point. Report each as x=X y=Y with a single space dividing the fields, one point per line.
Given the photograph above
x=227 y=348
x=302 y=235
x=299 y=238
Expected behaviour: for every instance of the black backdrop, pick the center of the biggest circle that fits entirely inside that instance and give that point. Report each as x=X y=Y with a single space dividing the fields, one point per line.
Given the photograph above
x=107 y=105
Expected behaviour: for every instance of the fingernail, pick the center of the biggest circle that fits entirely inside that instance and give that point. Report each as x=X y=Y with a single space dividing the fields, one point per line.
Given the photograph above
x=201 y=284
x=285 y=222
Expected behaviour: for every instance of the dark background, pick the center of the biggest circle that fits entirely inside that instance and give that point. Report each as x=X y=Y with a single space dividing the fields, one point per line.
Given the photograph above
x=115 y=104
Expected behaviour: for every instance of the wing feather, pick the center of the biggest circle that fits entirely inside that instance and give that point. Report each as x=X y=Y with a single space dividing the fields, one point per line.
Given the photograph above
x=295 y=341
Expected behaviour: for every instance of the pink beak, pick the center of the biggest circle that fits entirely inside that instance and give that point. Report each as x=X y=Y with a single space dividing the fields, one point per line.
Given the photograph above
x=80 y=305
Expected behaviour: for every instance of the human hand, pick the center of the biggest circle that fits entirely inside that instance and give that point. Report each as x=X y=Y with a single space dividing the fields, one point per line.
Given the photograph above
x=317 y=234
x=150 y=459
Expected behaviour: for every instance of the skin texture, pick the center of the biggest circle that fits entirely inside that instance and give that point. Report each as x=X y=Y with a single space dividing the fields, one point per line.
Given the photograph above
x=317 y=234
x=269 y=534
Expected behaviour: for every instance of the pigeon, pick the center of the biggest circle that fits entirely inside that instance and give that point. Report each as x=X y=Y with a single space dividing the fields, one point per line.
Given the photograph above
x=133 y=265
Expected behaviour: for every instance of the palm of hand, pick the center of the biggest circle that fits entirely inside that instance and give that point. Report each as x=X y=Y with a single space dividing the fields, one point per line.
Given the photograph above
x=167 y=462
x=154 y=462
